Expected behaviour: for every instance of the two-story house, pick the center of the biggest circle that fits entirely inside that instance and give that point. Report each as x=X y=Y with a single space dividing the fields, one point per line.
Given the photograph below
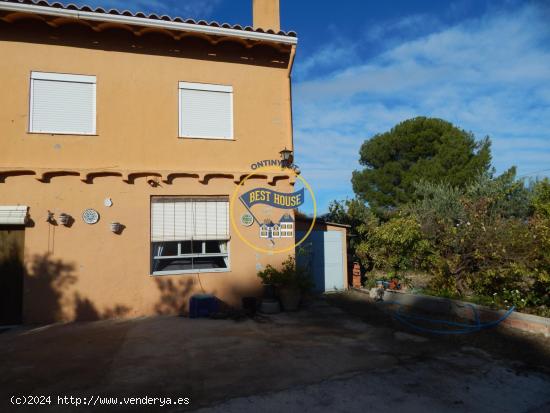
x=122 y=137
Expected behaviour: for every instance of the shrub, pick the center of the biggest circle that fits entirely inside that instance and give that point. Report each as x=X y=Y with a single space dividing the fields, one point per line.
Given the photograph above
x=290 y=275
x=541 y=198
x=397 y=245
x=488 y=240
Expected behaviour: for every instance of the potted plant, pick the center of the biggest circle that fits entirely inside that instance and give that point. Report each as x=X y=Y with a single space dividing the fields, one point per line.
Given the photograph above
x=291 y=281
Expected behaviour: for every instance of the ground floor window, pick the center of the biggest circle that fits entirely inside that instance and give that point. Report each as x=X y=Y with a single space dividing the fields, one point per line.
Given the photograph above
x=189 y=235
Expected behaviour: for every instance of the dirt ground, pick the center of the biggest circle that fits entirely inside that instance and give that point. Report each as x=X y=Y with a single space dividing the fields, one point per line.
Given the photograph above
x=341 y=353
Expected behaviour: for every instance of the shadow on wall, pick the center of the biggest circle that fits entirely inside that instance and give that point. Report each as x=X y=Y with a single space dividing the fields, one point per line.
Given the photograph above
x=238 y=292
x=149 y=43
x=48 y=297
x=85 y=310
x=46 y=287
x=44 y=284
x=174 y=295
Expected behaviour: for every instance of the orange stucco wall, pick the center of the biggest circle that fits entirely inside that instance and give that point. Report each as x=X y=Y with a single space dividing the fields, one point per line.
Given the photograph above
x=86 y=271
x=137 y=109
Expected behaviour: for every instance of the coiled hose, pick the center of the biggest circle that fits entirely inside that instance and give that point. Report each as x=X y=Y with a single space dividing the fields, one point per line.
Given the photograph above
x=465 y=328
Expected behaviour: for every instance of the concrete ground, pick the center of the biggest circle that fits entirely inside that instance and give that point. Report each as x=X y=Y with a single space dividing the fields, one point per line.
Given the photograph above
x=339 y=354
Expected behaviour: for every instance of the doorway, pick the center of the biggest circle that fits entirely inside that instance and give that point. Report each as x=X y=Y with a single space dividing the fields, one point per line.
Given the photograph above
x=12 y=242
x=324 y=259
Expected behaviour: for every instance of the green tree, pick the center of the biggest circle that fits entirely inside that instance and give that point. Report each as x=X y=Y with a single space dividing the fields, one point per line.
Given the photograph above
x=417 y=149
x=351 y=212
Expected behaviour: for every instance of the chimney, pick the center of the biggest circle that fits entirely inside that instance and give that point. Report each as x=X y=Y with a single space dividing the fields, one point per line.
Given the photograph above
x=266 y=15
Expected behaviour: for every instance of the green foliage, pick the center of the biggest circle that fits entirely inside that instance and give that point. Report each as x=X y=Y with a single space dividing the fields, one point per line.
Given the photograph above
x=486 y=240
x=508 y=196
x=540 y=259
x=398 y=245
x=541 y=198
x=502 y=196
x=349 y=212
x=509 y=297
x=428 y=201
x=417 y=149
x=290 y=275
x=479 y=232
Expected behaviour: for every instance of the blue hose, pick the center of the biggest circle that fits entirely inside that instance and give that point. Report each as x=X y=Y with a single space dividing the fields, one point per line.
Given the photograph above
x=466 y=328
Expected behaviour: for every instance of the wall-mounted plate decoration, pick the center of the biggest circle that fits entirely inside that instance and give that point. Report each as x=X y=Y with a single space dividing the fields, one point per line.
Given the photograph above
x=90 y=216
x=108 y=202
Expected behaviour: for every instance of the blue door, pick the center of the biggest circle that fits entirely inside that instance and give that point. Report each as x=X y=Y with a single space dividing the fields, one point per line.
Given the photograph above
x=321 y=252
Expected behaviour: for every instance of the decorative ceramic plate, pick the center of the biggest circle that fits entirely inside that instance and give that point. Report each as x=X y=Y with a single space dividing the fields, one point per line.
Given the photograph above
x=90 y=216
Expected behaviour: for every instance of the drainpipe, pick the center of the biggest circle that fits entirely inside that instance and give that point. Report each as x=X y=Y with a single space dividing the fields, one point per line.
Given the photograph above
x=290 y=121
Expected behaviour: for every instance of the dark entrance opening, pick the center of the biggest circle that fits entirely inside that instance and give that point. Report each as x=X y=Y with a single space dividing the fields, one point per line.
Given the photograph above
x=12 y=241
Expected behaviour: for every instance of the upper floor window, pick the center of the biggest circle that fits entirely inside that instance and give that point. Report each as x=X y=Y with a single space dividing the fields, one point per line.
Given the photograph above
x=62 y=103
x=205 y=111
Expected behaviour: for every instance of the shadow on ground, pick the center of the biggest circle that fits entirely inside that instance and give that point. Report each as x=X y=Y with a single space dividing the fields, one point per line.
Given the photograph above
x=318 y=359
x=530 y=349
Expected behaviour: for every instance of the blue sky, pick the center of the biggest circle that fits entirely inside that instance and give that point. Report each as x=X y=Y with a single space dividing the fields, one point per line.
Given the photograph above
x=363 y=66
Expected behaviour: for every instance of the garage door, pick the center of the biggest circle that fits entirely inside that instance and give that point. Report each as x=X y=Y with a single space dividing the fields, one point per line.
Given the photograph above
x=322 y=254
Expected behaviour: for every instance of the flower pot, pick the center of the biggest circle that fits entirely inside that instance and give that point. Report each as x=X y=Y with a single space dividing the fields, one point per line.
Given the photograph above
x=250 y=304
x=116 y=227
x=270 y=306
x=290 y=298
x=269 y=291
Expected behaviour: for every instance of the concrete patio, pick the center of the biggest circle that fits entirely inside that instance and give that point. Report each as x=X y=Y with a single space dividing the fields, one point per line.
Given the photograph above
x=338 y=354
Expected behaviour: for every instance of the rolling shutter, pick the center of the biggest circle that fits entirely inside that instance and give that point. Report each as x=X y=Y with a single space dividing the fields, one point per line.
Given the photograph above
x=13 y=215
x=62 y=103
x=184 y=219
x=206 y=111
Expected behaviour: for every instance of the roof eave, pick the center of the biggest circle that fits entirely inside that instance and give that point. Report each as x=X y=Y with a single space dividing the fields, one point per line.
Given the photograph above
x=138 y=21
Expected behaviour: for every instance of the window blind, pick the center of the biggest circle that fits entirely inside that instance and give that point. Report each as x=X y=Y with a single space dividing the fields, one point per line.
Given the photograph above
x=183 y=219
x=206 y=111
x=62 y=103
x=13 y=215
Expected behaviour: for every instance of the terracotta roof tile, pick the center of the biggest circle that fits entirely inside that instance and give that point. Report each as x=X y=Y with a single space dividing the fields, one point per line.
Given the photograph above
x=151 y=16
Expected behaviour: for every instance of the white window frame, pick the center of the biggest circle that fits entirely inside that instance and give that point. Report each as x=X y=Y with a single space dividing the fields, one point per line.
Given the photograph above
x=62 y=77
x=195 y=255
x=205 y=87
x=202 y=254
